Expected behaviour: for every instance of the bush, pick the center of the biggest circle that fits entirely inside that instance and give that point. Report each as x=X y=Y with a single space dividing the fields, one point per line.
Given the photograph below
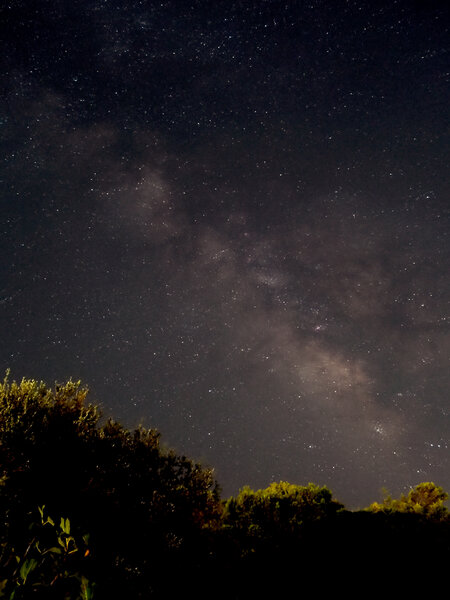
x=426 y=499
x=145 y=508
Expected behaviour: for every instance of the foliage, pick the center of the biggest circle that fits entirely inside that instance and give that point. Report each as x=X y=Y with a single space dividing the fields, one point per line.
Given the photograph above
x=278 y=512
x=157 y=525
x=143 y=506
x=49 y=565
x=282 y=505
x=426 y=499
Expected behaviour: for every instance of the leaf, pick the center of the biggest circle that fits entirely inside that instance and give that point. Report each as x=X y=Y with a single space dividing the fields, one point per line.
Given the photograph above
x=65 y=525
x=87 y=589
x=26 y=568
x=48 y=521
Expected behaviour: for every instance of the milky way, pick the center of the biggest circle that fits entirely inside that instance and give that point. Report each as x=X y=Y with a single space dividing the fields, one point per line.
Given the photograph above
x=230 y=220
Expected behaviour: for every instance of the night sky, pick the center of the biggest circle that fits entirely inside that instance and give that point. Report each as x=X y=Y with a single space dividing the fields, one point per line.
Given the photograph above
x=230 y=220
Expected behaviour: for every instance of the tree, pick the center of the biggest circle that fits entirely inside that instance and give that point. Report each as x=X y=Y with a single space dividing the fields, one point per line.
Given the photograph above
x=279 y=510
x=156 y=523
x=275 y=534
x=144 y=507
x=426 y=499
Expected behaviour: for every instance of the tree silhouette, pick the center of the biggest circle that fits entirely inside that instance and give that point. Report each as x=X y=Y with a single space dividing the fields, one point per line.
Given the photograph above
x=157 y=526
x=144 y=507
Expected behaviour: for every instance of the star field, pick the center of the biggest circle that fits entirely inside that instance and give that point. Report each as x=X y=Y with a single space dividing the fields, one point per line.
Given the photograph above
x=231 y=221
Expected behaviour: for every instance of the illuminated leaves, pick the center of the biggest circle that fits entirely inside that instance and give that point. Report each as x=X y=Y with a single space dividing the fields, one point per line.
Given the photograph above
x=46 y=561
x=427 y=499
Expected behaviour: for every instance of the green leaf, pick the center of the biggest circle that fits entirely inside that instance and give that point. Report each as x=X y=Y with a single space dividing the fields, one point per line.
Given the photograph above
x=87 y=589
x=48 y=521
x=26 y=568
x=65 y=525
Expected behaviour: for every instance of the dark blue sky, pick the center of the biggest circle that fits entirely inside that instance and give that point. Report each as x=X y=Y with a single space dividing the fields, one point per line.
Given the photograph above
x=230 y=220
